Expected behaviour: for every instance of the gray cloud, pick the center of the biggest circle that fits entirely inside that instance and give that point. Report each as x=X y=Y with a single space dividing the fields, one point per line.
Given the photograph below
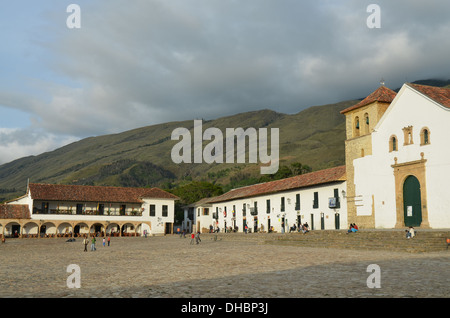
x=155 y=61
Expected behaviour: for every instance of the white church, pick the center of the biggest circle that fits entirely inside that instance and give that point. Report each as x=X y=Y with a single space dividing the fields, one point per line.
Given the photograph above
x=397 y=158
x=397 y=161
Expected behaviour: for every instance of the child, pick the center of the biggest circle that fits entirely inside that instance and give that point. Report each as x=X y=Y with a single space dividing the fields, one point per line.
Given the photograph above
x=192 y=238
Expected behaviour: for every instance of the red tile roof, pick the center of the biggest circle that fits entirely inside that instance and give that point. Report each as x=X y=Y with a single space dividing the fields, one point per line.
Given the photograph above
x=440 y=95
x=382 y=94
x=14 y=211
x=57 y=192
x=301 y=181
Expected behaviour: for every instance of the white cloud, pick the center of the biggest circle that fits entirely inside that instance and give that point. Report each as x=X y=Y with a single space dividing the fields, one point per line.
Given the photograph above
x=16 y=143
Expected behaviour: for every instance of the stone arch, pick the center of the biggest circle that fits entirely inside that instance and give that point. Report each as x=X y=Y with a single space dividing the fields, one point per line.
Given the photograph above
x=97 y=229
x=128 y=229
x=30 y=229
x=65 y=228
x=356 y=127
x=366 y=124
x=143 y=227
x=47 y=229
x=401 y=173
x=12 y=229
x=113 y=229
x=80 y=229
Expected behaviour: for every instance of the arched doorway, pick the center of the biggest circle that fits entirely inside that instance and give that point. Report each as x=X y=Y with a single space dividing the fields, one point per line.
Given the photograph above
x=113 y=229
x=412 y=204
x=128 y=229
x=97 y=229
x=65 y=229
x=80 y=229
x=12 y=229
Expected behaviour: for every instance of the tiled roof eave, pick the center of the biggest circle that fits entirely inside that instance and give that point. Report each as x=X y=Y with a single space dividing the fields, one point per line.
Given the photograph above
x=240 y=197
x=381 y=95
x=357 y=106
x=75 y=193
x=440 y=95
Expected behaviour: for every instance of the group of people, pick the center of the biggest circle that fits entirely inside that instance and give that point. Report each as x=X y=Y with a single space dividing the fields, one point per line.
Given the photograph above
x=196 y=237
x=410 y=233
x=214 y=230
x=93 y=241
x=353 y=228
x=304 y=228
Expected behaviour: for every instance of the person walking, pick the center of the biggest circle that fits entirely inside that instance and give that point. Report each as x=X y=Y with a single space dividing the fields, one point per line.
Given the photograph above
x=109 y=240
x=93 y=244
x=192 y=238
x=85 y=242
x=104 y=242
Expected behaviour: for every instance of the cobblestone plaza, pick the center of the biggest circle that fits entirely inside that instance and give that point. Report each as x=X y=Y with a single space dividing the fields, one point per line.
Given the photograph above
x=170 y=266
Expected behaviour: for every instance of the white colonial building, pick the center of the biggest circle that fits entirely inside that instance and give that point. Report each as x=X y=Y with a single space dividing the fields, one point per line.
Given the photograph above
x=316 y=198
x=73 y=210
x=399 y=160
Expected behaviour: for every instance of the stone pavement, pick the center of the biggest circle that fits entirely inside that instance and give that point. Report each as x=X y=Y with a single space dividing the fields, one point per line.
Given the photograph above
x=170 y=266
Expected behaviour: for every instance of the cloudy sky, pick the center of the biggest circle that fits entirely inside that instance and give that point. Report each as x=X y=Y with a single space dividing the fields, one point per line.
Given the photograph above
x=140 y=62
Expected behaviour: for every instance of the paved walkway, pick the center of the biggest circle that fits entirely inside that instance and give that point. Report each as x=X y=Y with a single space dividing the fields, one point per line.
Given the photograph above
x=171 y=267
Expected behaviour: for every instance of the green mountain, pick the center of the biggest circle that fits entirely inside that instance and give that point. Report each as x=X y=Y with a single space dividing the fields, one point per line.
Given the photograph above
x=142 y=156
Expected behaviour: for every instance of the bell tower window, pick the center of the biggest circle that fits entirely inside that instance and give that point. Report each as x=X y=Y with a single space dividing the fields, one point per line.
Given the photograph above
x=366 y=123
x=356 y=131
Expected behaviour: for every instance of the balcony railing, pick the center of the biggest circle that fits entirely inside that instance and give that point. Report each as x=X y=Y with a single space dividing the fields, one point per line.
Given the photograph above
x=88 y=212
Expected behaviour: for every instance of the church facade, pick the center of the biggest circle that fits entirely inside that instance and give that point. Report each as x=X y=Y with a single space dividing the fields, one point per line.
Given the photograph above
x=397 y=158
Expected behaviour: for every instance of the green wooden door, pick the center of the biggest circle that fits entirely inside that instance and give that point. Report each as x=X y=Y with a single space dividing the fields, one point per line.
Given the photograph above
x=412 y=203
x=337 y=221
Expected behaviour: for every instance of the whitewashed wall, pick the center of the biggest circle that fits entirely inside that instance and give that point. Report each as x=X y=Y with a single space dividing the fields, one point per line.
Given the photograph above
x=307 y=212
x=374 y=174
x=158 y=221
